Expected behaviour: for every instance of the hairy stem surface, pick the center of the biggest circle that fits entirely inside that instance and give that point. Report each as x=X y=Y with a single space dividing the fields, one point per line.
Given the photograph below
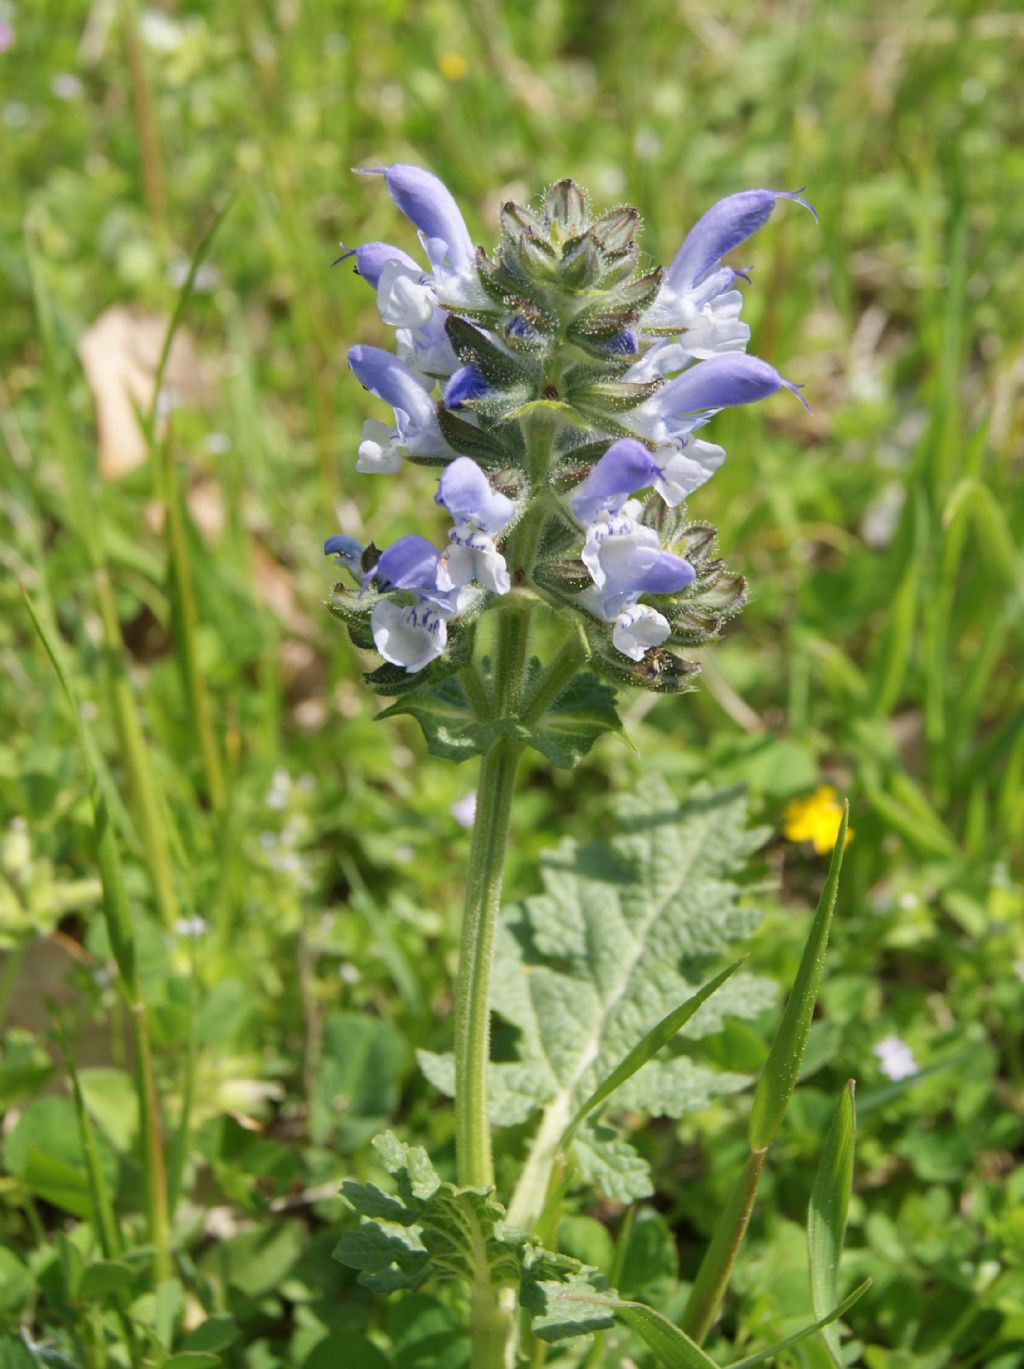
x=473 y=988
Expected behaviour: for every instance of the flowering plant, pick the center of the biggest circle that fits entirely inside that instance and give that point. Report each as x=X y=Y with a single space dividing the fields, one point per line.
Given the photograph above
x=562 y=391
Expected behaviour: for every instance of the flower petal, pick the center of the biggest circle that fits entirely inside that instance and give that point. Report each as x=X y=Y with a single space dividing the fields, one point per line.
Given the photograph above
x=409 y=637
x=724 y=226
x=372 y=257
x=638 y=628
x=347 y=549
x=627 y=466
x=466 y=383
x=466 y=493
x=409 y=563
x=389 y=379
x=430 y=205
x=720 y=383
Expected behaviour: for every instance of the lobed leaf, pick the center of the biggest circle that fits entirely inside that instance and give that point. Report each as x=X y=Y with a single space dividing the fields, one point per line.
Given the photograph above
x=582 y=713
x=429 y=1229
x=622 y=935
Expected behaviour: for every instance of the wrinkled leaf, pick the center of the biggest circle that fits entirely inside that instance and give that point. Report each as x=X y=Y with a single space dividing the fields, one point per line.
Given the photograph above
x=429 y=1229
x=564 y=734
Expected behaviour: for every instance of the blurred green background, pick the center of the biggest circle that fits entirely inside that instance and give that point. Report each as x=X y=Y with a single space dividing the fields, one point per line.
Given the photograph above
x=880 y=653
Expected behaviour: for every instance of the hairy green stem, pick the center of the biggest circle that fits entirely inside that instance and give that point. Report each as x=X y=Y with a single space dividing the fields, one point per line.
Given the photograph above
x=716 y=1267
x=473 y=988
x=559 y=672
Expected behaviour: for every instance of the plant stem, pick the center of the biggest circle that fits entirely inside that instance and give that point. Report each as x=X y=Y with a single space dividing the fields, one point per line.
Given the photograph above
x=716 y=1267
x=557 y=674
x=187 y=625
x=473 y=988
x=154 y=1175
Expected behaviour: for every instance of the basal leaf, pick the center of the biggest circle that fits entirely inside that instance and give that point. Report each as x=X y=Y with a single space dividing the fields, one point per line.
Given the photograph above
x=826 y=1215
x=429 y=1229
x=624 y=932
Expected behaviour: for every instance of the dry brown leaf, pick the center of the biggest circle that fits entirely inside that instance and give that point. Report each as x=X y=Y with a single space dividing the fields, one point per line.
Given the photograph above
x=120 y=354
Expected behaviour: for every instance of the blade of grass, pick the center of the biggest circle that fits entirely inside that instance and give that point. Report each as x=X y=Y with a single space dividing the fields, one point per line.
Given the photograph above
x=771 y=1099
x=122 y=943
x=84 y=517
x=673 y=1347
x=778 y=1079
x=826 y=1215
x=646 y=1048
x=186 y=615
x=770 y=1355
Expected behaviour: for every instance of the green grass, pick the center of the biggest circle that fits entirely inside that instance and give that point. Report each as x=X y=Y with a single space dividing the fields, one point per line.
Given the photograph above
x=245 y=780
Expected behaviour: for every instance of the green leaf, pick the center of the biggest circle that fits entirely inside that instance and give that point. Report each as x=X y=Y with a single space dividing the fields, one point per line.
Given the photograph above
x=567 y=1308
x=649 y=1045
x=45 y=1152
x=343 y=1348
x=357 y=1081
x=778 y=1079
x=112 y=1102
x=15 y=1354
x=673 y=1347
x=216 y=1333
x=564 y=734
x=771 y=1354
x=826 y=1214
x=623 y=933
x=17 y=1284
x=429 y=1229
x=106 y=1278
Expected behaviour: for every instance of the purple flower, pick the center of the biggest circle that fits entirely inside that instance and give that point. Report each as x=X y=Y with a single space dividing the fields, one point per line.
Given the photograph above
x=372 y=257
x=429 y=204
x=697 y=300
x=465 y=492
x=625 y=560
x=479 y=514
x=722 y=382
x=627 y=466
x=346 y=549
x=409 y=563
x=724 y=226
x=415 y=430
x=466 y=383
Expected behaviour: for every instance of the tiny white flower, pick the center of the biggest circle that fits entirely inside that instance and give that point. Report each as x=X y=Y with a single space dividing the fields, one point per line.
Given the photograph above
x=895 y=1058
x=191 y=926
x=464 y=810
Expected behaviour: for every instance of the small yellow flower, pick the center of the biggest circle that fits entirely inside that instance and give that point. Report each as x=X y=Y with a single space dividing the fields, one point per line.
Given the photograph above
x=452 y=66
x=815 y=819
